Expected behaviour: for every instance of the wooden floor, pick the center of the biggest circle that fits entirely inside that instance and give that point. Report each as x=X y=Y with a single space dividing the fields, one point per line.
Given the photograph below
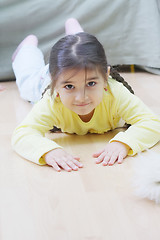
x=95 y=203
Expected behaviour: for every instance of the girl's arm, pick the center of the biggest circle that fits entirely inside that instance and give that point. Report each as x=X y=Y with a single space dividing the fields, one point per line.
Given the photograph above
x=144 y=131
x=29 y=139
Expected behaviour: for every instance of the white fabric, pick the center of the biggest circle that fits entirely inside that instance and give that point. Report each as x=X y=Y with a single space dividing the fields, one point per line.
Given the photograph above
x=32 y=75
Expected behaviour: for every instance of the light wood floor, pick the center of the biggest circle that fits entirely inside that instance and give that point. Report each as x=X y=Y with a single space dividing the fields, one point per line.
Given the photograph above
x=95 y=203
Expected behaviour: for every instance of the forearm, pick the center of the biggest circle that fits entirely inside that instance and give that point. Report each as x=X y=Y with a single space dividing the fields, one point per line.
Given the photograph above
x=32 y=146
x=140 y=136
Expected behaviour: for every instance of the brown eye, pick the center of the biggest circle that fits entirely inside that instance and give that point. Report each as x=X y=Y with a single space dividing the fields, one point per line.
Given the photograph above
x=69 y=86
x=91 y=84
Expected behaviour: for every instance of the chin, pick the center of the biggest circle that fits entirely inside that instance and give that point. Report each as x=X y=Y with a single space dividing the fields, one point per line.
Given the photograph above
x=83 y=111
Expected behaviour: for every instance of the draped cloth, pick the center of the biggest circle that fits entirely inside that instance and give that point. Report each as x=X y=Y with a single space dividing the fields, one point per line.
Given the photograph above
x=128 y=30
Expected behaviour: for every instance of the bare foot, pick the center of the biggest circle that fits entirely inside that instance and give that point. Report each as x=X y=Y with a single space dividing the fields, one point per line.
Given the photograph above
x=30 y=40
x=72 y=26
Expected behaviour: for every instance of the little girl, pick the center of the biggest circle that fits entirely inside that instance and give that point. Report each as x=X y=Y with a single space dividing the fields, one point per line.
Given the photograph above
x=83 y=98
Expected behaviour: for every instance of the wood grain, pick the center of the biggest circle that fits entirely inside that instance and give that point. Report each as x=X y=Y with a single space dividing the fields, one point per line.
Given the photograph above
x=94 y=203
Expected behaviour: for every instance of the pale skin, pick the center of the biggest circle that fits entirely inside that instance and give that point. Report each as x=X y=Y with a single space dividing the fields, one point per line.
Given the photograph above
x=82 y=96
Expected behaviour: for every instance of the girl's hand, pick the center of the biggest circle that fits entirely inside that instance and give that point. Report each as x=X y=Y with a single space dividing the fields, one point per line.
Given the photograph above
x=59 y=159
x=115 y=151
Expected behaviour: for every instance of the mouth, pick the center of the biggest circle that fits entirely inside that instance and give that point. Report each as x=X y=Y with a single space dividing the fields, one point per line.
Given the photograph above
x=82 y=104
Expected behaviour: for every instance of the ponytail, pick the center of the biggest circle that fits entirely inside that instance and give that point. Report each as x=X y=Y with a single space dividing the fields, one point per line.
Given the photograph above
x=115 y=75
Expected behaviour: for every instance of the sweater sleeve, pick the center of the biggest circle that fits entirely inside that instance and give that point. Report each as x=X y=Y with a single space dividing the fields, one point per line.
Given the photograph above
x=29 y=139
x=144 y=131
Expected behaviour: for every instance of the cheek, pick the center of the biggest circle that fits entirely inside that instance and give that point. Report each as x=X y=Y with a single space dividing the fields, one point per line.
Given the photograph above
x=97 y=94
x=65 y=98
x=99 y=98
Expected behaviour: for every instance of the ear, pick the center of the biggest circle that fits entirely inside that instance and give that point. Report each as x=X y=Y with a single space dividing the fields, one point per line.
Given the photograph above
x=56 y=92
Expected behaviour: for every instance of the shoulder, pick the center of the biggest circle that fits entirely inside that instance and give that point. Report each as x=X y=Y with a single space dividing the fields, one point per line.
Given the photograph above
x=47 y=97
x=117 y=89
x=52 y=102
x=113 y=84
x=46 y=102
x=114 y=88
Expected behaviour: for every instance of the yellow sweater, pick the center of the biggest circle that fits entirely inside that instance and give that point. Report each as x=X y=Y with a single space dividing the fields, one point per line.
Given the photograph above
x=29 y=139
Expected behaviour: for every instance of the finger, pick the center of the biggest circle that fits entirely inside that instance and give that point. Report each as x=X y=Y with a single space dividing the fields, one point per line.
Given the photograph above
x=120 y=158
x=62 y=163
x=55 y=166
x=113 y=159
x=105 y=160
x=97 y=154
x=72 y=165
x=100 y=158
x=77 y=163
x=73 y=162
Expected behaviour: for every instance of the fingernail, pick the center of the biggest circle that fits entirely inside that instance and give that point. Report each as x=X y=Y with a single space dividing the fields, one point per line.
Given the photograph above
x=69 y=170
x=104 y=164
x=75 y=169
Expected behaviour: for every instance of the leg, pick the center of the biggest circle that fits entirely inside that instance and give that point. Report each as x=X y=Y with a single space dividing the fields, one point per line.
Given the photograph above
x=29 y=40
x=72 y=26
x=30 y=70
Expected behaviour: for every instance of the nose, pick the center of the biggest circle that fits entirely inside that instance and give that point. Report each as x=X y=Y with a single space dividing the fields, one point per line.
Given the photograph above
x=81 y=95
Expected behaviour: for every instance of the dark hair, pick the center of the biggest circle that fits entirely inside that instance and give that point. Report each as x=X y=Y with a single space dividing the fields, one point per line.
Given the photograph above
x=115 y=75
x=79 y=51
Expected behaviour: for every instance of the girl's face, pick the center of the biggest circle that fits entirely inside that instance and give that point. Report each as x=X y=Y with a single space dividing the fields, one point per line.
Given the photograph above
x=81 y=91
